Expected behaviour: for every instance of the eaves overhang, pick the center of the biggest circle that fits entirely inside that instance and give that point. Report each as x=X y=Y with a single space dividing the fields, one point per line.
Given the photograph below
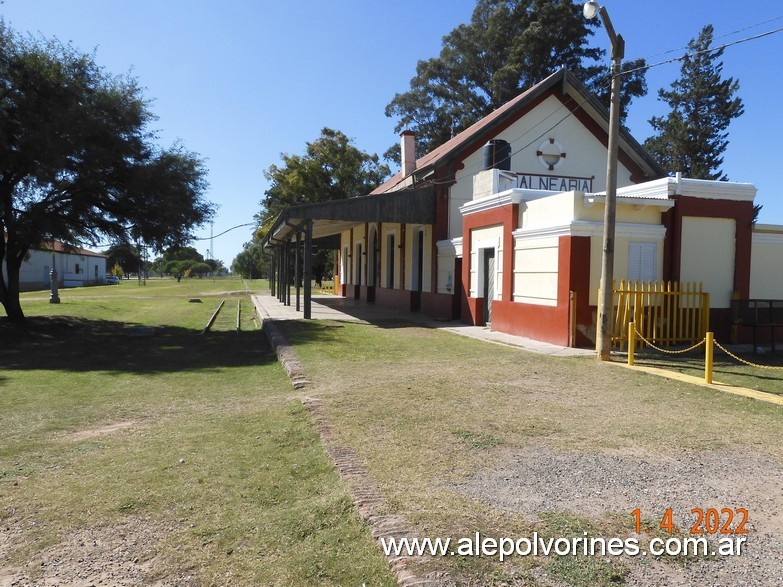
x=412 y=206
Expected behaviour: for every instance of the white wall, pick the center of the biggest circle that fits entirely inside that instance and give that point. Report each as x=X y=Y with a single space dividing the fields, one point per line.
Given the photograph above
x=72 y=270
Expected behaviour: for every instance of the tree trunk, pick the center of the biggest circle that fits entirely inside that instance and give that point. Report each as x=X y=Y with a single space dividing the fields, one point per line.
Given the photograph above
x=9 y=292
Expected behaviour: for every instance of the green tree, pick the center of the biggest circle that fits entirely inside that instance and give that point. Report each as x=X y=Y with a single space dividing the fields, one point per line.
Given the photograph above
x=508 y=46
x=177 y=260
x=125 y=256
x=331 y=169
x=694 y=135
x=200 y=269
x=117 y=270
x=216 y=266
x=251 y=262
x=78 y=162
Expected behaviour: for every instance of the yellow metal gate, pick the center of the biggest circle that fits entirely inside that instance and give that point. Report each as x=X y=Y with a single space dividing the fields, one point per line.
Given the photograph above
x=664 y=313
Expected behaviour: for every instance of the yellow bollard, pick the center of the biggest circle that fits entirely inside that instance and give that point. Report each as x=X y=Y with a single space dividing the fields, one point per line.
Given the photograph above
x=631 y=342
x=708 y=348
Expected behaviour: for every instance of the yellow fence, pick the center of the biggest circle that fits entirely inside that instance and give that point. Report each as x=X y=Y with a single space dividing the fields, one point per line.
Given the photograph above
x=664 y=313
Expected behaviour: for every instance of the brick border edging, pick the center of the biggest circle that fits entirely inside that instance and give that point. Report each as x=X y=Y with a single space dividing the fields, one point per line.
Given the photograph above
x=365 y=494
x=367 y=499
x=285 y=354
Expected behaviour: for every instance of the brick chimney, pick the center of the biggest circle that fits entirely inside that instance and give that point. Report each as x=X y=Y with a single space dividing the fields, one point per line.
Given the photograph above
x=407 y=152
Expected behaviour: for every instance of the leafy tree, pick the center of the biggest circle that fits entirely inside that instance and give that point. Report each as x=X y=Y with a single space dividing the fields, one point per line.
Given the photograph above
x=693 y=136
x=331 y=169
x=125 y=256
x=252 y=262
x=176 y=260
x=78 y=162
x=200 y=269
x=508 y=46
x=117 y=270
x=215 y=265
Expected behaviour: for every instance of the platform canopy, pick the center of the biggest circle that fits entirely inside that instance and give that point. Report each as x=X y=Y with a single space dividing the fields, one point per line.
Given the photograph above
x=411 y=206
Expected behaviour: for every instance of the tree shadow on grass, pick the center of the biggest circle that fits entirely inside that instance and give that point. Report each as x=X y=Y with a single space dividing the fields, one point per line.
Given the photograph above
x=78 y=344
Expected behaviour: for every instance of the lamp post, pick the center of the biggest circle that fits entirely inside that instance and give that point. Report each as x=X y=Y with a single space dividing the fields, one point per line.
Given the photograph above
x=603 y=341
x=54 y=297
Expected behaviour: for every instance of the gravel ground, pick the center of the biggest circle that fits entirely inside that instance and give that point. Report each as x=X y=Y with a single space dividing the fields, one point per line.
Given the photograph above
x=540 y=479
x=119 y=555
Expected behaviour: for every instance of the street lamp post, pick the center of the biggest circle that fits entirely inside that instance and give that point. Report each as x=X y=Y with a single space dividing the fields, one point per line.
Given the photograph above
x=603 y=341
x=54 y=297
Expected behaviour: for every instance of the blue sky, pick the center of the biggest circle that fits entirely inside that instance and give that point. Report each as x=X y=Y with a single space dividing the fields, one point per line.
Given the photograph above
x=241 y=81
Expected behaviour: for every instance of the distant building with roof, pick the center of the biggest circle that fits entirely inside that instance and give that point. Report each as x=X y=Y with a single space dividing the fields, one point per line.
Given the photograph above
x=76 y=267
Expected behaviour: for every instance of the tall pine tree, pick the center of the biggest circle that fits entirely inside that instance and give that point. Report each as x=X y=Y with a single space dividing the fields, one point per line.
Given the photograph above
x=694 y=135
x=508 y=46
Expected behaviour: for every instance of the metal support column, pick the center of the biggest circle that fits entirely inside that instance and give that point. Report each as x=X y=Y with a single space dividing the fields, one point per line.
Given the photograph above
x=272 y=262
x=279 y=269
x=297 y=268
x=287 y=290
x=308 y=263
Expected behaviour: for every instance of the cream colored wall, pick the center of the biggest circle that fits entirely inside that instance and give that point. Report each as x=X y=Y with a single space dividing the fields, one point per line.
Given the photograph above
x=358 y=238
x=622 y=246
x=411 y=232
x=707 y=255
x=536 y=271
x=484 y=238
x=766 y=263
x=624 y=213
x=345 y=260
x=390 y=229
x=556 y=210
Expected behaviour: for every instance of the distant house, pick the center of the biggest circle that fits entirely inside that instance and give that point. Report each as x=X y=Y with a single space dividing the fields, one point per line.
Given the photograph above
x=502 y=225
x=76 y=267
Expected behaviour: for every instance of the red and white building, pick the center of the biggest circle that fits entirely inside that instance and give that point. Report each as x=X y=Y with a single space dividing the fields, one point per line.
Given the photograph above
x=503 y=224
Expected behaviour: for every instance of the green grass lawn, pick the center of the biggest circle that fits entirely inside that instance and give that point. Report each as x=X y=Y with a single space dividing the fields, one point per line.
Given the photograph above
x=764 y=374
x=191 y=455
x=175 y=457
x=427 y=411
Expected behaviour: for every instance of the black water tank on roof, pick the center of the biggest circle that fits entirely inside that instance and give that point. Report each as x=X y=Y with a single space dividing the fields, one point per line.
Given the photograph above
x=497 y=155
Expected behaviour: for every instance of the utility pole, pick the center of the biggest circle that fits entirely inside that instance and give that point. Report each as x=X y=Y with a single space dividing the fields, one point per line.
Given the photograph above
x=603 y=339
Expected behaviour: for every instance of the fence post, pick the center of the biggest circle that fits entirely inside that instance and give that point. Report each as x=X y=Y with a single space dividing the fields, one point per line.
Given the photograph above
x=706 y=311
x=708 y=358
x=631 y=342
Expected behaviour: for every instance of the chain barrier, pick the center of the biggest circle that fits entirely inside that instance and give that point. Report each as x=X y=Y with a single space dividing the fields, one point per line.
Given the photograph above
x=701 y=342
x=668 y=352
x=728 y=352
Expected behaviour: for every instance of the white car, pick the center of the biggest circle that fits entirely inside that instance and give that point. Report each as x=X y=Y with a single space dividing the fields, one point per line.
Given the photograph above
x=112 y=280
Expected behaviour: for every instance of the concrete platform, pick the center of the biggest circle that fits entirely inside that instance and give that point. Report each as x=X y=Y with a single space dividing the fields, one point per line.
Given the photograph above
x=329 y=307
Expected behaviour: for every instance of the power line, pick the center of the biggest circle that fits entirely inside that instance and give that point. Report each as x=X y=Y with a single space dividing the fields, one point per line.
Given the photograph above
x=743 y=29
x=206 y=238
x=643 y=68
x=703 y=51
